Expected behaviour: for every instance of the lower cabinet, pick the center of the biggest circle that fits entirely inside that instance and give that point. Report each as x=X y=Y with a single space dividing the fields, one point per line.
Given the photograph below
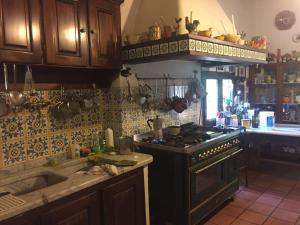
x=124 y=202
x=23 y=219
x=120 y=201
x=81 y=211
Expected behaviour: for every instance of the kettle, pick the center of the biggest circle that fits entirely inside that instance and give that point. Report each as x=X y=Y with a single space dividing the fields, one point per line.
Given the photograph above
x=157 y=127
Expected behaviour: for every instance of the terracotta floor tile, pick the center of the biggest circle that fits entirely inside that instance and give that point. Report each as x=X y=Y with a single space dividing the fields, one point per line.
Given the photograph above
x=285 y=215
x=293 y=197
x=286 y=182
x=240 y=203
x=269 y=200
x=276 y=193
x=274 y=221
x=242 y=222
x=290 y=205
x=209 y=223
x=262 y=208
x=298 y=222
x=253 y=217
x=222 y=219
x=280 y=188
x=248 y=195
x=295 y=191
x=232 y=210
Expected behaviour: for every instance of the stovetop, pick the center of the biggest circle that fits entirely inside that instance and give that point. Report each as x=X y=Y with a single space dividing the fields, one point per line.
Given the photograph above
x=191 y=138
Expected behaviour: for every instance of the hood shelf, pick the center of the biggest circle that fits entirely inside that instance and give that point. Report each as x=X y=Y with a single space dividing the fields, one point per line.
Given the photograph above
x=208 y=51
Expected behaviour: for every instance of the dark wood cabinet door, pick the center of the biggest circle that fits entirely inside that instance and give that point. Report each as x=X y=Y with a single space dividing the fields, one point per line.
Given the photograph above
x=65 y=28
x=105 y=33
x=83 y=210
x=124 y=201
x=20 y=34
x=21 y=220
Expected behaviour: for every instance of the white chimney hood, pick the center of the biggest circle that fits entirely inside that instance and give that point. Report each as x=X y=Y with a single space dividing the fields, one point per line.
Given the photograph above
x=139 y=15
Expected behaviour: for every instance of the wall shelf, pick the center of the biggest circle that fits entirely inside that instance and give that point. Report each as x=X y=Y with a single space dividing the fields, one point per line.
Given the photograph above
x=209 y=51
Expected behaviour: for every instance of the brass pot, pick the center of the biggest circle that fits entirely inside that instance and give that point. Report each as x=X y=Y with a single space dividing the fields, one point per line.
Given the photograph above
x=154 y=33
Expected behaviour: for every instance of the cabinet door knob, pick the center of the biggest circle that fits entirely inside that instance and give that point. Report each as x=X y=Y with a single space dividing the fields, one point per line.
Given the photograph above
x=92 y=31
x=82 y=30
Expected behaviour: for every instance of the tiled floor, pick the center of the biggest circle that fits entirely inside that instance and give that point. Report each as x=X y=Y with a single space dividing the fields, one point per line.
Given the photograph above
x=272 y=198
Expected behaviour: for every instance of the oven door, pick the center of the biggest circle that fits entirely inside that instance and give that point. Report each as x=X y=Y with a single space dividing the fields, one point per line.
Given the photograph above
x=209 y=177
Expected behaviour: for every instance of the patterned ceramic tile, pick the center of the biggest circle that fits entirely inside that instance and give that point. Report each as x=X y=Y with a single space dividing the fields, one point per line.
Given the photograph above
x=12 y=127
x=210 y=48
x=147 y=51
x=221 y=49
x=78 y=137
x=204 y=46
x=93 y=118
x=230 y=51
x=38 y=147
x=164 y=48
x=234 y=51
x=155 y=49
x=192 y=45
x=198 y=46
x=57 y=125
x=139 y=53
x=216 y=49
x=59 y=143
x=173 y=47
x=242 y=53
x=132 y=54
x=183 y=45
x=36 y=124
x=77 y=121
x=14 y=152
x=238 y=52
x=225 y=50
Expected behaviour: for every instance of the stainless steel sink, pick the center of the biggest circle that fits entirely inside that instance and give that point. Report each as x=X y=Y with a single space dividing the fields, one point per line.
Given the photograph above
x=33 y=182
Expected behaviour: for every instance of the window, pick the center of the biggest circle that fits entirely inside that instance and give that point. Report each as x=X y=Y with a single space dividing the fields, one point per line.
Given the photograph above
x=219 y=96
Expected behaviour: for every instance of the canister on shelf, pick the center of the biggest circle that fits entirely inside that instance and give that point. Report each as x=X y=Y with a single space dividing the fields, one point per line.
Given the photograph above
x=246 y=123
x=125 y=145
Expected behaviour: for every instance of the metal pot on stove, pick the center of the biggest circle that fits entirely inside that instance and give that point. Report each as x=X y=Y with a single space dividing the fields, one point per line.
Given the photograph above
x=156 y=127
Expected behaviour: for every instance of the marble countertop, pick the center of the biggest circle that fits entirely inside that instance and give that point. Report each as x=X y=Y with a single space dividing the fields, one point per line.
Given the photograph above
x=279 y=129
x=74 y=182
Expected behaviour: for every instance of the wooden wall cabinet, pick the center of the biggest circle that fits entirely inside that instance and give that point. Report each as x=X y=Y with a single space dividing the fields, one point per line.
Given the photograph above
x=82 y=33
x=20 y=34
x=120 y=201
x=105 y=33
x=66 y=35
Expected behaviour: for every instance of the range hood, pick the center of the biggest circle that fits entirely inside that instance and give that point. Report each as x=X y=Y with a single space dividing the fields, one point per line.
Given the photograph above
x=208 y=51
x=185 y=46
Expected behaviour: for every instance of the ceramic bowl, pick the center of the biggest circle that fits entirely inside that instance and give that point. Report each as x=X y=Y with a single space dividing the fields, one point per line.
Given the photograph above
x=234 y=38
x=221 y=37
x=205 y=33
x=133 y=39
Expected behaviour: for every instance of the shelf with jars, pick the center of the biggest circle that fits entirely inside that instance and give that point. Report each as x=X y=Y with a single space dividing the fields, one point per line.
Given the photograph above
x=276 y=86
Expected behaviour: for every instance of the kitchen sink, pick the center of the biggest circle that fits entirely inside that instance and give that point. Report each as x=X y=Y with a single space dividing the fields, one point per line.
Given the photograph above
x=33 y=182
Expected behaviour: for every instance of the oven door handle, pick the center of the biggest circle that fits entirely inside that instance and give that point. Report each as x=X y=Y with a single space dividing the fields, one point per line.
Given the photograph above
x=216 y=162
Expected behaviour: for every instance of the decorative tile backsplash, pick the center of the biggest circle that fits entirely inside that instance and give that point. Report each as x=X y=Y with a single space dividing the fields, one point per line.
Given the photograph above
x=32 y=135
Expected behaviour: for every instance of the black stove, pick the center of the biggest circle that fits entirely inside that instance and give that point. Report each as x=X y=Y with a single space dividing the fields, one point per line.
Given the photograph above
x=192 y=173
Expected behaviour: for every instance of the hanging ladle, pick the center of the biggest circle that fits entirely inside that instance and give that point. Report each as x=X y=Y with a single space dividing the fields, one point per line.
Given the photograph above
x=16 y=98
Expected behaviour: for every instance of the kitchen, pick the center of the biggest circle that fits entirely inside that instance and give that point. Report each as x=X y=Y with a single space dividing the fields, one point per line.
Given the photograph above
x=122 y=112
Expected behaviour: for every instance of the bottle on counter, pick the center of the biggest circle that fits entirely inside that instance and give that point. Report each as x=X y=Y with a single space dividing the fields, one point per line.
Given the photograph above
x=95 y=143
x=109 y=138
